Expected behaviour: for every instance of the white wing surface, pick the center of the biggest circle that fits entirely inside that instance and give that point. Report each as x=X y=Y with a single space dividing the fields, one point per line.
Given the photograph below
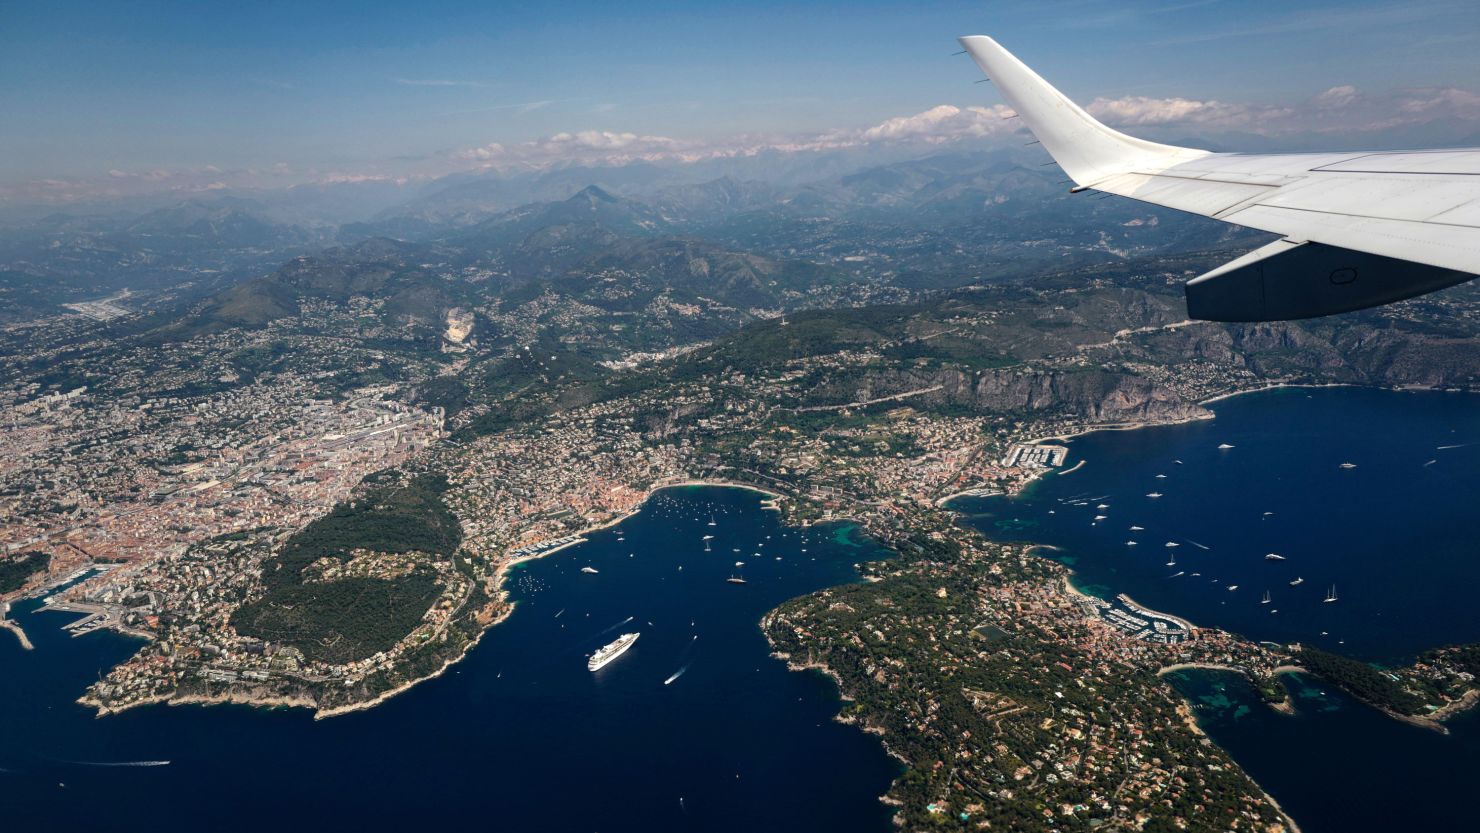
x=1360 y=229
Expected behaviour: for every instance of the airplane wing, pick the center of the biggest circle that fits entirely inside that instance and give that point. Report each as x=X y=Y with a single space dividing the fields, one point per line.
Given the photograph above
x=1359 y=229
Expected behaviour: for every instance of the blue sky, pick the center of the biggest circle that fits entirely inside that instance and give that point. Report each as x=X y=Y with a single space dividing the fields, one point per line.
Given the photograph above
x=139 y=86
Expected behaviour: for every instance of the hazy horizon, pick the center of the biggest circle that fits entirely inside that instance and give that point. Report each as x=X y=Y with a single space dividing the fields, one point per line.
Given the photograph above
x=106 y=103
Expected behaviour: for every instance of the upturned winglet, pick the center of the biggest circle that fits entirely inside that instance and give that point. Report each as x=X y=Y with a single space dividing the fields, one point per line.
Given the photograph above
x=1087 y=150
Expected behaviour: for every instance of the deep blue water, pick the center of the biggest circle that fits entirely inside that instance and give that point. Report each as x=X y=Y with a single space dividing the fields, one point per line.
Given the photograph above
x=518 y=736
x=1398 y=535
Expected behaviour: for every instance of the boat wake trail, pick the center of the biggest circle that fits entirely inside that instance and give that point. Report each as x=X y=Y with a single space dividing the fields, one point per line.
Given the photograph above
x=118 y=763
x=1196 y=544
x=584 y=642
x=1448 y=447
x=617 y=625
x=687 y=658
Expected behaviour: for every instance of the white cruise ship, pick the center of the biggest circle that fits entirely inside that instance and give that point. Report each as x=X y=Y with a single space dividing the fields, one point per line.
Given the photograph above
x=609 y=652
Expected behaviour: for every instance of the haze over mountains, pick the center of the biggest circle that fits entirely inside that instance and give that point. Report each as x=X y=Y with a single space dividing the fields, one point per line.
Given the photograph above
x=755 y=234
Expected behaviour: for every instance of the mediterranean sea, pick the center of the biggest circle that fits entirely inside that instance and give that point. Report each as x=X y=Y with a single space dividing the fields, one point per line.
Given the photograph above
x=1368 y=494
x=695 y=728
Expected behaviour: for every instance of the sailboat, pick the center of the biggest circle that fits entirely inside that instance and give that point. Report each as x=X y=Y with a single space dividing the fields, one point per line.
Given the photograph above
x=711 y=519
x=1172 y=562
x=735 y=579
x=1331 y=594
x=1265 y=600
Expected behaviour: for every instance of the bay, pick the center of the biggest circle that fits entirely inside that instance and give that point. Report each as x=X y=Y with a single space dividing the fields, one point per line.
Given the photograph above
x=1394 y=531
x=519 y=735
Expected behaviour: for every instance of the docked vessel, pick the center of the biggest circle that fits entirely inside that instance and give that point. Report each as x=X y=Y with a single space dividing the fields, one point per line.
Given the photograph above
x=611 y=651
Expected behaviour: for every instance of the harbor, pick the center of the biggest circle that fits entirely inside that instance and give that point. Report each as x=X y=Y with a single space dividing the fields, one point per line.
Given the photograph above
x=1134 y=620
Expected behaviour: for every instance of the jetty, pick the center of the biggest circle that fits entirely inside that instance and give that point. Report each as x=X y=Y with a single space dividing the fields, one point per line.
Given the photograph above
x=14 y=627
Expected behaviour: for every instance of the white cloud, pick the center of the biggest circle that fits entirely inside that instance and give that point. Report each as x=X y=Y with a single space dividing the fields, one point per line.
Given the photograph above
x=1133 y=111
x=1342 y=111
x=1336 y=97
x=944 y=122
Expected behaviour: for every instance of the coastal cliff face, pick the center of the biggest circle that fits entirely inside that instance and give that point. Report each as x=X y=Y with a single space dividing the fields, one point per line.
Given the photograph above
x=1323 y=350
x=1098 y=395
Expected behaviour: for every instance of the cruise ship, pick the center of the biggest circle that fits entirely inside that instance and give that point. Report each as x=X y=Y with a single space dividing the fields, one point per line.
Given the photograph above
x=609 y=652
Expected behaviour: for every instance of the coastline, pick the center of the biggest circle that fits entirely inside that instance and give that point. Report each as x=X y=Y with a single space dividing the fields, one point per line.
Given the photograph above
x=1293 y=385
x=498 y=577
x=14 y=627
x=1188 y=717
x=1433 y=721
x=843 y=696
x=1287 y=707
x=1139 y=424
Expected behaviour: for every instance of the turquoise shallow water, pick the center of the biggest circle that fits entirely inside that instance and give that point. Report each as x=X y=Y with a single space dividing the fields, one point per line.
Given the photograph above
x=519 y=736
x=1397 y=534
x=1337 y=766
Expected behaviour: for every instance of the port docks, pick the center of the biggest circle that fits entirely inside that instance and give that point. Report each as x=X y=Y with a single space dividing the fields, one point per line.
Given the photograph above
x=1138 y=622
x=1036 y=456
x=546 y=547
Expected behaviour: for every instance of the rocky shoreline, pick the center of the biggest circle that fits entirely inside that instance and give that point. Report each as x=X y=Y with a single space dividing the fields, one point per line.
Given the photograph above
x=261 y=697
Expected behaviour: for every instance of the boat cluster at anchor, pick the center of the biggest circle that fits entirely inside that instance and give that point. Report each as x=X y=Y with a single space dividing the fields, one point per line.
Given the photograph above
x=661 y=506
x=1132 y=623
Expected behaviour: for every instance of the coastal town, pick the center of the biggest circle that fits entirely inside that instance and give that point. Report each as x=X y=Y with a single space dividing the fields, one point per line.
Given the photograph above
x=316 y=540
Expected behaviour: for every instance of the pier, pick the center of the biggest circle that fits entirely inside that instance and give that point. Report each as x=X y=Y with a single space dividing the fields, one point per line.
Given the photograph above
x=14 y=627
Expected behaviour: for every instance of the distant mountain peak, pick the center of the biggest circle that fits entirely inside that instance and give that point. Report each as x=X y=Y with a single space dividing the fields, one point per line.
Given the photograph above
x=593 y=194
